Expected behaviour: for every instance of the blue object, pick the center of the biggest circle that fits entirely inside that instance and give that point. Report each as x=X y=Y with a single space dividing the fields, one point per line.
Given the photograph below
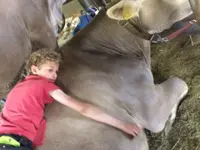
x=84 y=21
x=92 y=11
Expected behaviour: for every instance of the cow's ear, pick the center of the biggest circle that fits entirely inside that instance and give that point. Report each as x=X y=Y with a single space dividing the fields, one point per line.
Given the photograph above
x=124 y=10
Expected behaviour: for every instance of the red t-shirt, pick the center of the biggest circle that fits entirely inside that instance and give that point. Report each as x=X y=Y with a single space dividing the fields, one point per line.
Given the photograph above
x=23 y=113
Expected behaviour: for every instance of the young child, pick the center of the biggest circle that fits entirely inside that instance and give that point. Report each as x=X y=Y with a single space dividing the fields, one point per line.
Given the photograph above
x=22 y=122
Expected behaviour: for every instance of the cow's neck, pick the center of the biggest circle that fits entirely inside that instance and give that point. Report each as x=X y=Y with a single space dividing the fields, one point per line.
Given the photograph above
x=110 y=38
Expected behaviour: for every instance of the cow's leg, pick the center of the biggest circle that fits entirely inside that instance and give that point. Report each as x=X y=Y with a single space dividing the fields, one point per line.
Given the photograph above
x=9 y=74
x=168 y=96
x=195 y=5
x=174 y=90
x=40 y=30
x=171 y=119
x=173 y=113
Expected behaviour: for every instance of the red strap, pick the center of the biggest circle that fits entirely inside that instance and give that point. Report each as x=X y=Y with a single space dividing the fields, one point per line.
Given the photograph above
x=178 y=32
x=156 y=38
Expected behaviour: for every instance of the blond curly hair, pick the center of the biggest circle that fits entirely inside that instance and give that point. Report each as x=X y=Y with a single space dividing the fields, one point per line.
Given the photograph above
x=40 y=57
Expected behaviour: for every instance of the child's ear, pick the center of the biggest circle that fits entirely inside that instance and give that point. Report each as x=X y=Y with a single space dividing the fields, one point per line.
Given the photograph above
x=34 y=69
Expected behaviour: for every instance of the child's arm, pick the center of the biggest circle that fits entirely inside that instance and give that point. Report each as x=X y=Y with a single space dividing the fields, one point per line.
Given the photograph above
x=93 y=112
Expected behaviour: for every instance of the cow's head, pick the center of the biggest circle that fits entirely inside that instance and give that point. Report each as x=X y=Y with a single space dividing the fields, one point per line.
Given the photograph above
x=125 y=9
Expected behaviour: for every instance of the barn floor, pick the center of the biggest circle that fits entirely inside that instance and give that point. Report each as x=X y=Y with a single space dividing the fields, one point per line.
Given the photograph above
x=179 y=58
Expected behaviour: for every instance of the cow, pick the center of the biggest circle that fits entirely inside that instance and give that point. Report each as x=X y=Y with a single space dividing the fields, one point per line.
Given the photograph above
x=154 y=16
x=26 y=25
x=109 y=67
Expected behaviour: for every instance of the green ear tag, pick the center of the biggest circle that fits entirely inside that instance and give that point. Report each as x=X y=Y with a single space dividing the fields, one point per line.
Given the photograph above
x=129 y=12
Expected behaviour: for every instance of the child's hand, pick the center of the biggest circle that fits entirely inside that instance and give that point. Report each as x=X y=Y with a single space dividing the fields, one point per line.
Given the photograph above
x=131 y=128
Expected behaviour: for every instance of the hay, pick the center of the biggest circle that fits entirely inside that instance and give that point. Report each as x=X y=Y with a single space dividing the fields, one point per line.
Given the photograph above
x=179 y=58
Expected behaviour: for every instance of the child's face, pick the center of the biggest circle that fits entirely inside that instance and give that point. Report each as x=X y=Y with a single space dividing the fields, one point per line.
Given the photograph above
x=48 y=70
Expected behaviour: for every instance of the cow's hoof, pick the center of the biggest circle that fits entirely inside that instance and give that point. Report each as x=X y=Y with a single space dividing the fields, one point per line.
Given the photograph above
x=168 y=127
x=173 y=114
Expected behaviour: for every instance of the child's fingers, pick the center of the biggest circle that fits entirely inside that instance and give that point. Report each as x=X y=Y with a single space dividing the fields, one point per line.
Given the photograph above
x=134 y=134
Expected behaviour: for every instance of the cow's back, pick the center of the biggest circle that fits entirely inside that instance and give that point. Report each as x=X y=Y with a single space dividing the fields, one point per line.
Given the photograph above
x=101 y=66
x=67 y=129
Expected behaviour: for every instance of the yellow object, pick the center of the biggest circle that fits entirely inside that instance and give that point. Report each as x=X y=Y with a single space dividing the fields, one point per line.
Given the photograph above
x=129 y=12
x=9 y=141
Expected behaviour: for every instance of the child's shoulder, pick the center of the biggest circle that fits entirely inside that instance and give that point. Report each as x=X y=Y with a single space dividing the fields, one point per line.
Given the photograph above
x=37 y=80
